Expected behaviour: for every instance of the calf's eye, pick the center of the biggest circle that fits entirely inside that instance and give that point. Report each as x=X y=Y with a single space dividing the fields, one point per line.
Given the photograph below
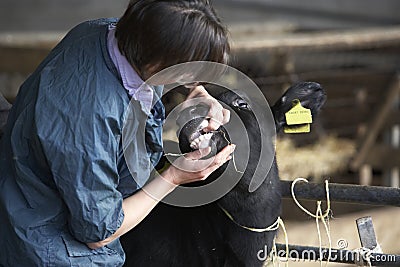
x=240 y=103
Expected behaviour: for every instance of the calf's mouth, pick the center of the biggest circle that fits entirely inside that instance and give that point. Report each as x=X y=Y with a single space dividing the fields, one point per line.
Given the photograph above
x=192 y=136
x=200 y=138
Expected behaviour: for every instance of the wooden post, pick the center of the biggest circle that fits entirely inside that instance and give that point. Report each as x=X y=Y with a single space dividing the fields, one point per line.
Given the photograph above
x=376 y=124
x=366 y=174
x=395 y=171
x=396 y=144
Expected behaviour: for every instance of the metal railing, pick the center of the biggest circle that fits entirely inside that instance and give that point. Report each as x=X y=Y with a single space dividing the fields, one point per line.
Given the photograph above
x=370 y=253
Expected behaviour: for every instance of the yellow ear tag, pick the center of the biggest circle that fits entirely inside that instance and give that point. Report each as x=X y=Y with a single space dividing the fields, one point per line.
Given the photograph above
x=302 y=128
x=298 y=119
x=298 y=114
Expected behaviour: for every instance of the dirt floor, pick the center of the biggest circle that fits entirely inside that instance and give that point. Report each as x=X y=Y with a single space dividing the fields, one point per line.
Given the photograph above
x=343 y=229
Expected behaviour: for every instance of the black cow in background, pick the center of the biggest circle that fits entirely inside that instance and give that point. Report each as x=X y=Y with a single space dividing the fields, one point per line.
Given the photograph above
x=204 y=235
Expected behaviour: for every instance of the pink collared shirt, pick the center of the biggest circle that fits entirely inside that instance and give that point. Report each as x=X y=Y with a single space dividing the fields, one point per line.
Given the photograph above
x=132 y=82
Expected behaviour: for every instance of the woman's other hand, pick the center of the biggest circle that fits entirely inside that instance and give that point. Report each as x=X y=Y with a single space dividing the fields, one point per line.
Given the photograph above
x=217 y=114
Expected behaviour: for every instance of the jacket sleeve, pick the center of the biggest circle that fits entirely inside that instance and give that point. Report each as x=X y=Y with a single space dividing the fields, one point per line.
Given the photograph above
x=80 y=137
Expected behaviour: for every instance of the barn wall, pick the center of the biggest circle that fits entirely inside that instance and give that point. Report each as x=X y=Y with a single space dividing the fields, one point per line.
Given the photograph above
x=40 y=15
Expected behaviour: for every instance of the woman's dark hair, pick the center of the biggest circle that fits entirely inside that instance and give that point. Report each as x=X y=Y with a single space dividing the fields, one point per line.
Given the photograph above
x=162 y=33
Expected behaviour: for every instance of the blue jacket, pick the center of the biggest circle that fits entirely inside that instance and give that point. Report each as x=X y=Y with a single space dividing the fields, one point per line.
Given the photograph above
x=63 y=175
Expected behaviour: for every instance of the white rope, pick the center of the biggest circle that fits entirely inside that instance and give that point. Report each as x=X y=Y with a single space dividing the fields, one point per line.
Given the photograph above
x=324 y=217
x=364 y=255
x=273 y=227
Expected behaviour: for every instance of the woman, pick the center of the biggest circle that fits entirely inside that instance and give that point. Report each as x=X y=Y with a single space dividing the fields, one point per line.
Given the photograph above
x=66 y=194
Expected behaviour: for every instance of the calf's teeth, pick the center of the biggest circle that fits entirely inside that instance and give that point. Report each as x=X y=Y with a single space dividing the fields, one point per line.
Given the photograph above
x=203 y=124
x=193 y=145
x=201 y=141
x=208 y=136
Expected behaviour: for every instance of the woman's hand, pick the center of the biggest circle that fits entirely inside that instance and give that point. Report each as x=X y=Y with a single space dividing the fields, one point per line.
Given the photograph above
x=192 y=168
x=184 y=170
x=217 y=114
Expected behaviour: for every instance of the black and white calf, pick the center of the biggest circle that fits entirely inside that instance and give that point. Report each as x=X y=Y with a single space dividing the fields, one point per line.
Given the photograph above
x=204 y=235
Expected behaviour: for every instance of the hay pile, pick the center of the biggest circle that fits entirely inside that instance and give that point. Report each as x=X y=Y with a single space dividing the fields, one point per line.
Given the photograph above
x=329 y=155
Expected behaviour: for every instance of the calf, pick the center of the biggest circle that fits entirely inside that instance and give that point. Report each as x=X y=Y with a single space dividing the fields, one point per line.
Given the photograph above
x=205 y=235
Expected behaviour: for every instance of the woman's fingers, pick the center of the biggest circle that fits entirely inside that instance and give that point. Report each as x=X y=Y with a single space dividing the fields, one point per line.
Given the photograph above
x=224 y=154
x=192 y=168
x=191 y=162
x=217 y=114
x=219 y=160
x=198 y=154
x=226 y=116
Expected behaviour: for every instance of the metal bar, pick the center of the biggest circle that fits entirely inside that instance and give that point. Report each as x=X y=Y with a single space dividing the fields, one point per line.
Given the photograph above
x=337 y=255
x=367 y=235
x=372 y=195
x=366 y=232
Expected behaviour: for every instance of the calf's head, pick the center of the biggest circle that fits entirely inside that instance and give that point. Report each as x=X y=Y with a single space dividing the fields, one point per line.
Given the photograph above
x=310 y=94
x=193 y=119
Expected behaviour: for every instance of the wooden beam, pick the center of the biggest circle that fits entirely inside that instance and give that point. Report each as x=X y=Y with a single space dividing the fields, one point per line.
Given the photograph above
x=33 y=40
x=345 y=39
x=376 y=124
x=360 y=38
x=11 y=44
